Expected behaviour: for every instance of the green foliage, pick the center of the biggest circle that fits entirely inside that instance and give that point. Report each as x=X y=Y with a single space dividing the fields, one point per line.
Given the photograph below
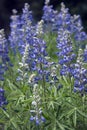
x=50 y=38
x=62 y=108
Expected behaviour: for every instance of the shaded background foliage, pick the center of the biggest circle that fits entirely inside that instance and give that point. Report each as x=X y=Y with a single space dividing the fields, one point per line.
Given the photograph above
x=6 y=6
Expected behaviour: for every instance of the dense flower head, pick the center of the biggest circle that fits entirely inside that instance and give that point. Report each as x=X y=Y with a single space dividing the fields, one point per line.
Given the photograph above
x=80 y=74
x=27 y=14
x=63 y=19
x=65 y=53
x=4 y=59
x=14 y=26
x=80 y=35
x=34 y=55
x=2 y=98
x=85 y=55
x=31 y=46
x=48 y=12
x=49 y=16
x=27 y=30
x=21 y=29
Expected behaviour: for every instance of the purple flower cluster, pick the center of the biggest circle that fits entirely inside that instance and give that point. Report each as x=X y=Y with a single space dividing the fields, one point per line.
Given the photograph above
x=80 y=35
x=80 y=75
x=63 y=19
x=4 y=59
x=85 y=55
x=49 y=14
x=14 y=35
x=35 y=67
x=65 y=54
x=2 y=98
x=20 y=26
x=35 y=55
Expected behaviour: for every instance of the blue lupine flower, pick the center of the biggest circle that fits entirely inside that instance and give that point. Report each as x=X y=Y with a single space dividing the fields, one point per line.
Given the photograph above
x=63 y=19
x=2 y=98
x=14 y=36
x=36 y=51
x=21 y=29
x=80 y=35
x=80 y=74
x=49 y=15
x=85 y=55
x=4 y=59
x=27 y=31
x=65 y=54
x=26 y=15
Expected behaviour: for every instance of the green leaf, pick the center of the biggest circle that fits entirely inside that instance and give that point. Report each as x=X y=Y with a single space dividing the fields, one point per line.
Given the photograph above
x=6 y=114
x=68 y=114
x=75 y=118
x=82 y=114
x=13 y=122
x=60 y=126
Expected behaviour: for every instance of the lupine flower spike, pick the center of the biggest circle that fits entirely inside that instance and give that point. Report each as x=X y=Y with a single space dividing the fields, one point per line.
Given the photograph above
x=14 y=36
x=36 y=111
x=2 y=98
x=65 y=54
x=80 y=75
x=4 y=59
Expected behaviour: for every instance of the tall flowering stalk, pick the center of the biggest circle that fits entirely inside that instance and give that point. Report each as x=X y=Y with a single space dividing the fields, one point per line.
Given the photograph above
x=80 y=74
x=27 y=31
x=2 y=98
x=36 y=111
x=20 y=26
x=14 y=36
x=4 y=59
x=80 y=35
x=49 y=15
x=65 y=54
x=63 y=19
x=85 y=55
x=23 y=66
x=40 y=54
